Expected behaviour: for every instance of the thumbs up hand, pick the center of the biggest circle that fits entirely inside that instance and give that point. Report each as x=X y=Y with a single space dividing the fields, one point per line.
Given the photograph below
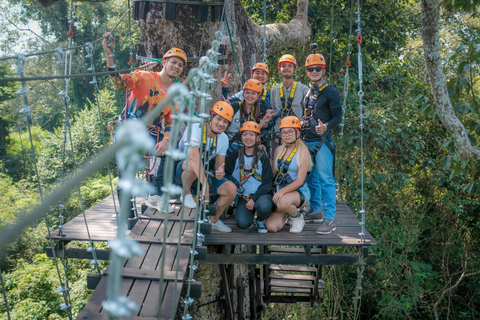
x=321 y=128
x=220 y=172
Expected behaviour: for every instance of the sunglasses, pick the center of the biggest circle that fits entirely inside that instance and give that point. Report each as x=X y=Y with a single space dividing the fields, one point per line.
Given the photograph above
x=317 y=68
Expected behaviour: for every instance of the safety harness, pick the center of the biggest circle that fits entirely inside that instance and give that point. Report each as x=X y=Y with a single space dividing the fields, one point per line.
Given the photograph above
x=286 y=106
x=326 y=137
x=244 y=178
x=264 y=95
x=283 y=176
x=251 y=117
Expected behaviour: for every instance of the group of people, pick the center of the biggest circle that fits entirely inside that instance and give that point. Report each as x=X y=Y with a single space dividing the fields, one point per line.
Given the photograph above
x=269 y=152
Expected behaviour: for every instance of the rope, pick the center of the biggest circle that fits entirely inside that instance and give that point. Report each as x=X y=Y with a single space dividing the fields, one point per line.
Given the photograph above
x=74 y=76
x=233 y=49
x=209 y=68
x=20 y=63
x=265 y=31
x=100 y=120
x=70 y=48
x=331 y=41
x=4 y=294
x=360 y=107
x=345 y=86
x=66 y=99
x=361 y=268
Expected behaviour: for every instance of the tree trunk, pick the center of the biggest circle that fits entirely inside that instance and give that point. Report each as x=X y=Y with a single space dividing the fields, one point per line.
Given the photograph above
x=438 y=82
x=188 y=33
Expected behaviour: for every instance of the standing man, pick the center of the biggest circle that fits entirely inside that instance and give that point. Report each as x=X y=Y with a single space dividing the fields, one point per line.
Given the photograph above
x=147 y=90
x=322 y=113
x=287 y=96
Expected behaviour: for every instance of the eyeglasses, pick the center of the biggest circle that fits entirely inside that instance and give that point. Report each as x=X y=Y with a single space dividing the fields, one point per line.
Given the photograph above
x=316 y=68
x=287 y=132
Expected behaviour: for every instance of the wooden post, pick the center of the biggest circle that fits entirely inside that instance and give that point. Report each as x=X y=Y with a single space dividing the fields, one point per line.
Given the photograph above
x=240 y=291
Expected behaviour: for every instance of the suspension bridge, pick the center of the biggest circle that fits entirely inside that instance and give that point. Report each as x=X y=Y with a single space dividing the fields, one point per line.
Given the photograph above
x=154 y=256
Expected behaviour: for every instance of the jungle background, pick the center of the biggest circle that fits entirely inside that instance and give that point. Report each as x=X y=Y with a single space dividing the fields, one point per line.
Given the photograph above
x=422 y=198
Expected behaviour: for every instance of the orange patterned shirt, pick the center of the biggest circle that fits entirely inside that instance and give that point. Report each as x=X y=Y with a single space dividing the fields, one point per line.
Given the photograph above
x=146 y=92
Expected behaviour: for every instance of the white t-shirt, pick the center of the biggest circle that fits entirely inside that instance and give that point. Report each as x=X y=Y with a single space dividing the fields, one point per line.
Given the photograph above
x=196 y=136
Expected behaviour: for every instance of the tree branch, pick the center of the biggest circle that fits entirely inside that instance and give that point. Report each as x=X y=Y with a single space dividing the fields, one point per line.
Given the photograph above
x=438 y=83
x=27 y=29
x=448 y=290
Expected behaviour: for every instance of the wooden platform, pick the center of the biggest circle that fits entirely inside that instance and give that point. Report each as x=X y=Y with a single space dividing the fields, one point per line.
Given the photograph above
x=141 y=275
x=347 y=233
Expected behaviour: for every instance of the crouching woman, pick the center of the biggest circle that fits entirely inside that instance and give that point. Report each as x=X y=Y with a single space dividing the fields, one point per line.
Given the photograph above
x=292 y=162
x=249 y=168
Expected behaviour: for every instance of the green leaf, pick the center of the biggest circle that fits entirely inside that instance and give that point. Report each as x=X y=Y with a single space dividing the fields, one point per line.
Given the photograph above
x=447 y=162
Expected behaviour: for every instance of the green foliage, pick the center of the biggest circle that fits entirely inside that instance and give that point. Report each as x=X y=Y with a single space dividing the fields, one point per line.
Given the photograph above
x=31 y=289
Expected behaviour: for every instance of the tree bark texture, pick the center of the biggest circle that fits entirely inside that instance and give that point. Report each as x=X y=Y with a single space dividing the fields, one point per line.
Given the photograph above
x=438 y=82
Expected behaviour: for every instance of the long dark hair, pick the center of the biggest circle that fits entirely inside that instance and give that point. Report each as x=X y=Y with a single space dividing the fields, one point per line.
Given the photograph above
x=256 y=153
x=256 y=113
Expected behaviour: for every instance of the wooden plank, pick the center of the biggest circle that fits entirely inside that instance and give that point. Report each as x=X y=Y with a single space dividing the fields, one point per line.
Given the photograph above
x=170 y=300
x=99 y=316
x=286 y=276
x=323 y=259
x=150 y=305
x=75 y=253
x=293 y=268
x=140 y=274
x=294 y=284
x=292 y=250
x=288 y=299
x=94 y=305
x=290 y=290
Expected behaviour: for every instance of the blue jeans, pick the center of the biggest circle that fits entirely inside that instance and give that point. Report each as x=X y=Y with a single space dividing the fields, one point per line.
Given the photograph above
x=322 y=182
x=244 y=217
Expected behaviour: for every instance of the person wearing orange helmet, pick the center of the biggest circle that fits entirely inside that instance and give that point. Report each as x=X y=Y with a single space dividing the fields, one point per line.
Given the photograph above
x=215 y=145
x=291 y=164
x=147 y=89
x=322 y=112
x=249 y=168
x=287 y=96
x=248 y=109
x=259 y=72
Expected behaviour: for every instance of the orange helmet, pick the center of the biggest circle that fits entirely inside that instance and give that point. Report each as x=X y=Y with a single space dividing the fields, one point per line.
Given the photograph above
x=253 y=85
x=260 y=66
x=287 y=58
x=290 y=122
x=177 y=53
x=315 y=59
x=223 y=109
x=250 y=126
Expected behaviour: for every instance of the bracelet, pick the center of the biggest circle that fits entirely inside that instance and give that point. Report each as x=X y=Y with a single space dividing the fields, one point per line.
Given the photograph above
x=166 y=138
x=262 y=123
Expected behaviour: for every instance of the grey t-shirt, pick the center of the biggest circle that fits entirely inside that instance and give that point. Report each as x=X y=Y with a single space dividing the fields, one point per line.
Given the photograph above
x=276 y=102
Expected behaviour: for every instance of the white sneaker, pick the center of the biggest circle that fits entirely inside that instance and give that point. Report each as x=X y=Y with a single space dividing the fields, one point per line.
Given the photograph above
x=155 y=202
x=188 y=201
x=220 y=226
x=297 y=224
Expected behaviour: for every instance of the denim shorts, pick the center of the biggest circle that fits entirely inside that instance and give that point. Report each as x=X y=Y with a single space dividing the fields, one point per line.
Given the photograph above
x=213 y=183
x=304 y=192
